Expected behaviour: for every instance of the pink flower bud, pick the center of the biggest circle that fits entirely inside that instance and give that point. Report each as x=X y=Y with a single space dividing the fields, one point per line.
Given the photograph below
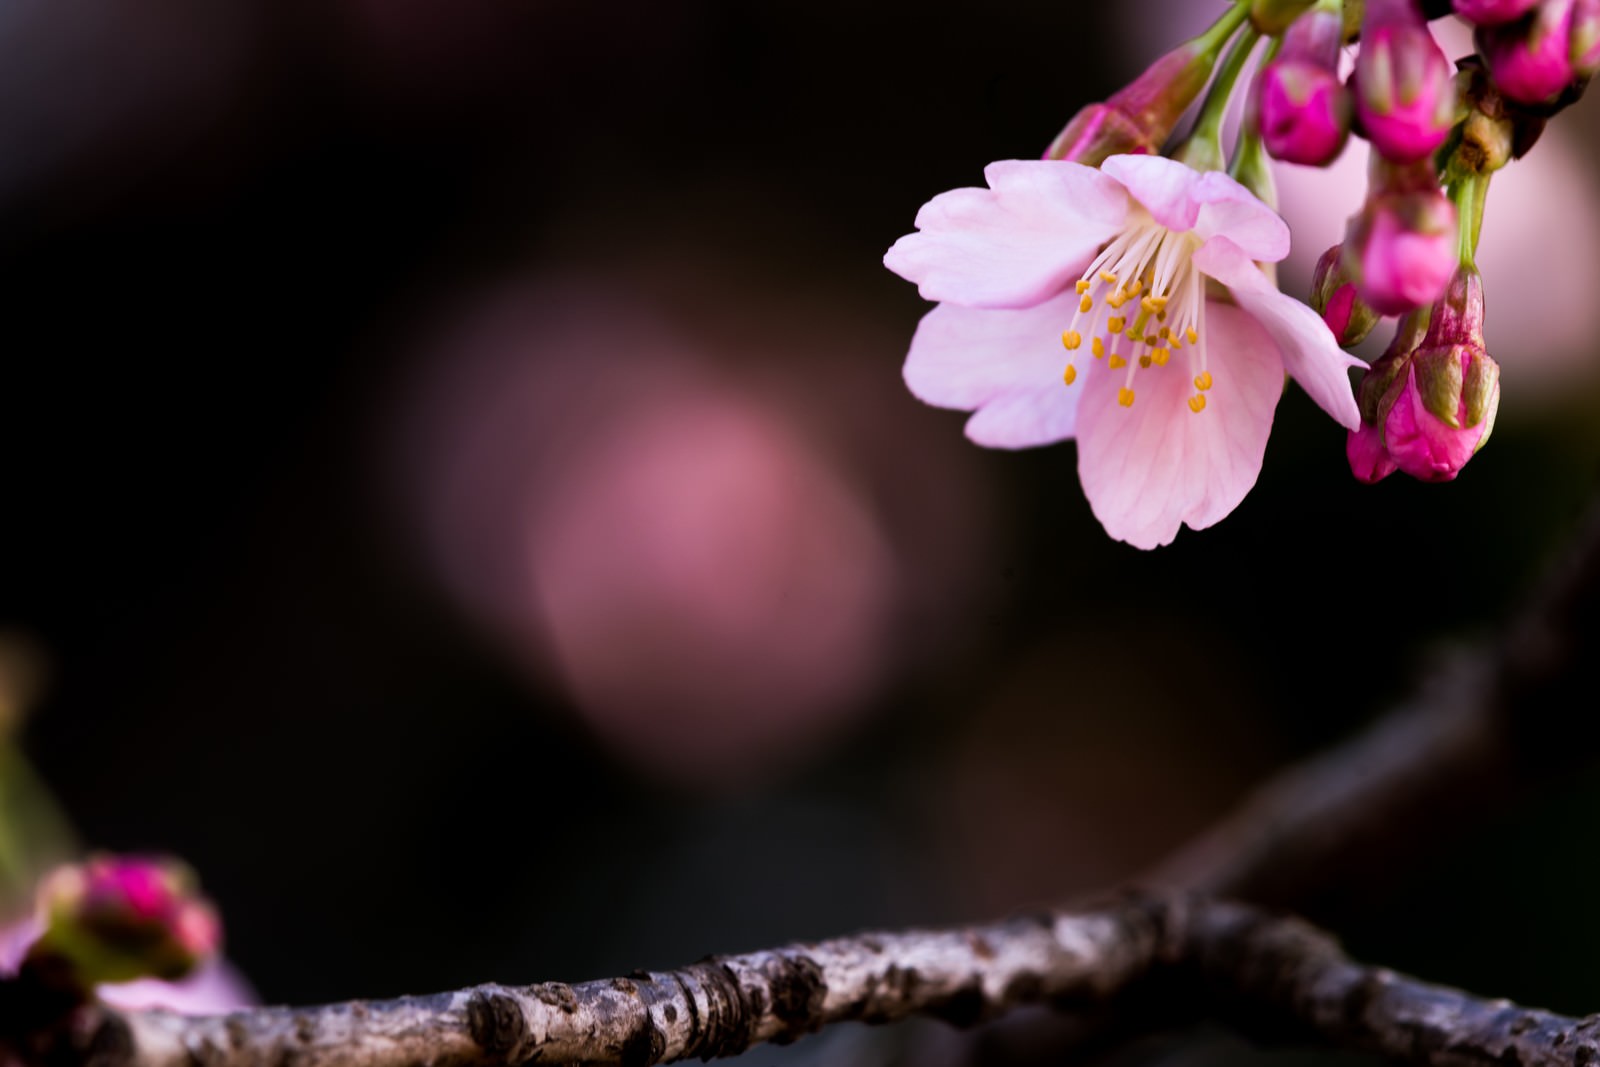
x=1401 y=247
x=1140 y=116
x=1438 y=402
x=1304 y=108
x=1493 y=12
x=114 y=919
x=1334 y=296
x=1404 y=87
x=1369 y=460
x=1530 y=60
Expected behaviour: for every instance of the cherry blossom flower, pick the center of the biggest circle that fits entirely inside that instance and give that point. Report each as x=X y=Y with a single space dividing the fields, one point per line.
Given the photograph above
x=1117 y=265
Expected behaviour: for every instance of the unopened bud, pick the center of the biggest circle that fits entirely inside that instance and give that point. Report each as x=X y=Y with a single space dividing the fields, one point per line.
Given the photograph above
x=1493 y=12
x=1403 y=85
x=1140 y=116
x=1401 y=247
x=114 y=919
x=1334 y=296
x=1441 y=410
x=1531 y=59
x=1304 y=108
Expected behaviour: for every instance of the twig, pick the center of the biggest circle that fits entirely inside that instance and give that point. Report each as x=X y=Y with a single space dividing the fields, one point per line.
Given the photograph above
x=1166 y=958
x=719 y=1007
x=1496 y=718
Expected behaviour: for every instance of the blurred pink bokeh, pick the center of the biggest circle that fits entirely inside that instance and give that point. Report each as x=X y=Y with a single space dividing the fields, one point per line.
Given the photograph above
x=668 y=529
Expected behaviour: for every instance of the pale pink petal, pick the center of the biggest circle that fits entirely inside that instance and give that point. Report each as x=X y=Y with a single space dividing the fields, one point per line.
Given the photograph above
x=1026 y=418
x=1310 y=352
x=1183 y=199
x=1150 y=467
x=1007 y=363
x=1164 y=186
x=1226 y=207
x=213 y=989
x=1021 y=241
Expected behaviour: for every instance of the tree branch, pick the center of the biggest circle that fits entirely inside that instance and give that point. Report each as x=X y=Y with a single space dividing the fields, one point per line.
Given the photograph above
x=1167 y=958
x=1495 y=720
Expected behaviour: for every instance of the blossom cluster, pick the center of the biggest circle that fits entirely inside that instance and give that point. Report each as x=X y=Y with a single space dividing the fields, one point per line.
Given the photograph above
x=1120 y=290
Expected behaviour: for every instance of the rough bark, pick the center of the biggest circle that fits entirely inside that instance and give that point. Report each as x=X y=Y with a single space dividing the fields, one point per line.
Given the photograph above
x=1164 y=958
x=718 y=1007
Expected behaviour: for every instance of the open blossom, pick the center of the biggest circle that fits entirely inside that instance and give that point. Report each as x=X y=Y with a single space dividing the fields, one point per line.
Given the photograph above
x=1168 y=383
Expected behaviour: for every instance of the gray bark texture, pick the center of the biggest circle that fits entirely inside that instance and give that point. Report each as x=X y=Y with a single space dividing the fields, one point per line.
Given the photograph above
x=1164 y=959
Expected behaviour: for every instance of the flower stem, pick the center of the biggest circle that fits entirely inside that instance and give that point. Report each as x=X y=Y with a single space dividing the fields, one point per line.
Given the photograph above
x=1250 y=166
x=1203 y=149
x=1470 y=192
x=1221 y=31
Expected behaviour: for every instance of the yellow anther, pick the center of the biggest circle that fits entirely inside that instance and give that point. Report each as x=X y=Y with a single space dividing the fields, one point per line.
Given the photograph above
x=1115 y=323
x=1107 y=277
x=1071 y=339
x=1117 y=361
x=1165 y=332
x=1161 y=355
x=1125 y=397
x=1154 y=304
x=1136 y=288
x=1193 y=337
x=1083 y=285
x=1098 y=346
x=1197 y=403
x=1202 y=381
x=1086 y=303
x=1144 y=361
x=1117 y=299
x=1069 y=375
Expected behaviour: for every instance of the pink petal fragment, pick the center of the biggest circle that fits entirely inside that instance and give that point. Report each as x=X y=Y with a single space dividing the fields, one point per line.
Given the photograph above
x=1148 y=468
x=1228 y=208
x=962 y=357
x=1183 y=199
x=1164 y=186
x=1018 y=242
x=1006 y=363
x=1310 y=352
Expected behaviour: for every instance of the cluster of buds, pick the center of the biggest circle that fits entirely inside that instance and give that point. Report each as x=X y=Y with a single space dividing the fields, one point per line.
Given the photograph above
x=1437 y=131
x=114 y=919
x=1429 y=403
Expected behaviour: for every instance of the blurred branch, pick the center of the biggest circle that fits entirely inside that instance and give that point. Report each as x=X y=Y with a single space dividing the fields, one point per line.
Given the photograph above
x=1163 y=959
x=1495 y=720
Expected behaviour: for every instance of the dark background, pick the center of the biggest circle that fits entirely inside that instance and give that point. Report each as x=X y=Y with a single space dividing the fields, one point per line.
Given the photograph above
x=235 y=237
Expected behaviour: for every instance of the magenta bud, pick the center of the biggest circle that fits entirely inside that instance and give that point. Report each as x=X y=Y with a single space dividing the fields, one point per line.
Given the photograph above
x=1304 y=109
x=1400 y=249
x=1530 y=60
x=1432 y=406
x=1403 y=85
x=1369 y=459
x=113 y=919
x=1141 y=115
x=1334 y=296
x=1305 y=113
x=1493 y=12
x=1095 y=134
